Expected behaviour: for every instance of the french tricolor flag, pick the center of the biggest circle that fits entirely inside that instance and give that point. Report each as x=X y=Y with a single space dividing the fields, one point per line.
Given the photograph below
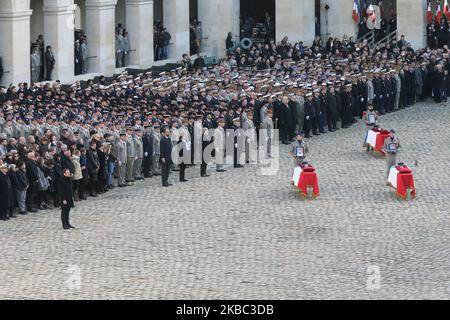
x=355 y=12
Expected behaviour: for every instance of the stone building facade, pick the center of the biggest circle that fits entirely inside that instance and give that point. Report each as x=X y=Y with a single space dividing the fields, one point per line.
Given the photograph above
x=22 y=20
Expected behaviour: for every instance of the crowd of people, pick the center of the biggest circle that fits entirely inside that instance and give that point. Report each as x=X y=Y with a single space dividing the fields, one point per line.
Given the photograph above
x=107 y=134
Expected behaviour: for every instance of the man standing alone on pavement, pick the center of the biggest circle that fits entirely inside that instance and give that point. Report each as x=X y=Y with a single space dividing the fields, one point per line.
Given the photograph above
x=66 y=198
x=165 y=156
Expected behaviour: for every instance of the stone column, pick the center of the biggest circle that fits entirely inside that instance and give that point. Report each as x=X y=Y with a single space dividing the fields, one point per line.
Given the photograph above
x=339 y=19
x=100 y=32
x=218 y=17
x=296 y=20
x=15 y=40
x=139 y=17
x=176 y=20
x=59 y=34
x=411 y=21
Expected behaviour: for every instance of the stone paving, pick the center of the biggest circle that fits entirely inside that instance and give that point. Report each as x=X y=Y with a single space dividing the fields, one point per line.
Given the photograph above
x=239 y=235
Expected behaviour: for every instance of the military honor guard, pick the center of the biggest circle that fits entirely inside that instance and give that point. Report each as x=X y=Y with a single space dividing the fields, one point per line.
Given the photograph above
x=391 y=147
x=299 y=149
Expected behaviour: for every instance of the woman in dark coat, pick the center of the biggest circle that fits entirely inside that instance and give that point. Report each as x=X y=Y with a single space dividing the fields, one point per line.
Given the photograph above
x=6 y=193
x=66 y=198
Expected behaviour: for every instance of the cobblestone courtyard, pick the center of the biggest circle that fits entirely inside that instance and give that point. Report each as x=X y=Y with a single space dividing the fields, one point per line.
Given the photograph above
x=237 y=235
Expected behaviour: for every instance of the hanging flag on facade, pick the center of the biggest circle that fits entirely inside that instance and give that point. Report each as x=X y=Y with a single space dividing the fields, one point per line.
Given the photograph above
x=429 y=13
x=438 y=12
x=355 y=12
x=446 y=9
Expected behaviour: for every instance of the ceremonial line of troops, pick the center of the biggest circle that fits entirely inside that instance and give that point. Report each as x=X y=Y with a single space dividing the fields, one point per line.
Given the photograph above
x=89 y=134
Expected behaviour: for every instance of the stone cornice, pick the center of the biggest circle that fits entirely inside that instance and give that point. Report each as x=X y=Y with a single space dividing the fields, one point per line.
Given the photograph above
x=138 y=2
x=96 y=4
x=70 y=9
x=21 y=15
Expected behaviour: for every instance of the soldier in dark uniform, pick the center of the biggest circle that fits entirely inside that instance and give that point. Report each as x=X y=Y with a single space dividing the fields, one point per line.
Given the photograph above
x=356 y=99
x=337 y=93
x=323 y=109
x=393 y=87
x=346 y=99
x=382 y=94
x=376 y=90
x=309 y=115
x=362 y=94
x=317 y=110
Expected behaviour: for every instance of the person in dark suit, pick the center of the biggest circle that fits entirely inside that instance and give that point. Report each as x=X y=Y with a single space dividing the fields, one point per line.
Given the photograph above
x=229 y=41
x=182 y=146
x=147 y=141
x=32 y=175
x=49 y=62
x=309 y=115
x=165 y=157
x=93 y=165
x=286 y=120
x=6 y=193
x=66 y=198
x=78 y=57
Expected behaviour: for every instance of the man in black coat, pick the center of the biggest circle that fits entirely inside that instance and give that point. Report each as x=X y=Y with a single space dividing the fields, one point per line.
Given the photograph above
x=286 y=121
x=362 y=95
x=103 y=168
x=33 y=177
x=346 y=113
x=332 y=112
x=309 y=115
x=376 y=91
x=49 y=62
x=93 y=166
x=147 y=142
x=66 y=198
x=317 y=112
x=165 y=157
x=6 y=192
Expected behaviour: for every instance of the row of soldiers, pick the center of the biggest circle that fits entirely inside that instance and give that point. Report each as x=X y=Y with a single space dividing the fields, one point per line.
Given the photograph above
x=317 y=107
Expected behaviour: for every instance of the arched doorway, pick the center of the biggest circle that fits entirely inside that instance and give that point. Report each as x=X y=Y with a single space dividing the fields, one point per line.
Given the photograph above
x=257 y=20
